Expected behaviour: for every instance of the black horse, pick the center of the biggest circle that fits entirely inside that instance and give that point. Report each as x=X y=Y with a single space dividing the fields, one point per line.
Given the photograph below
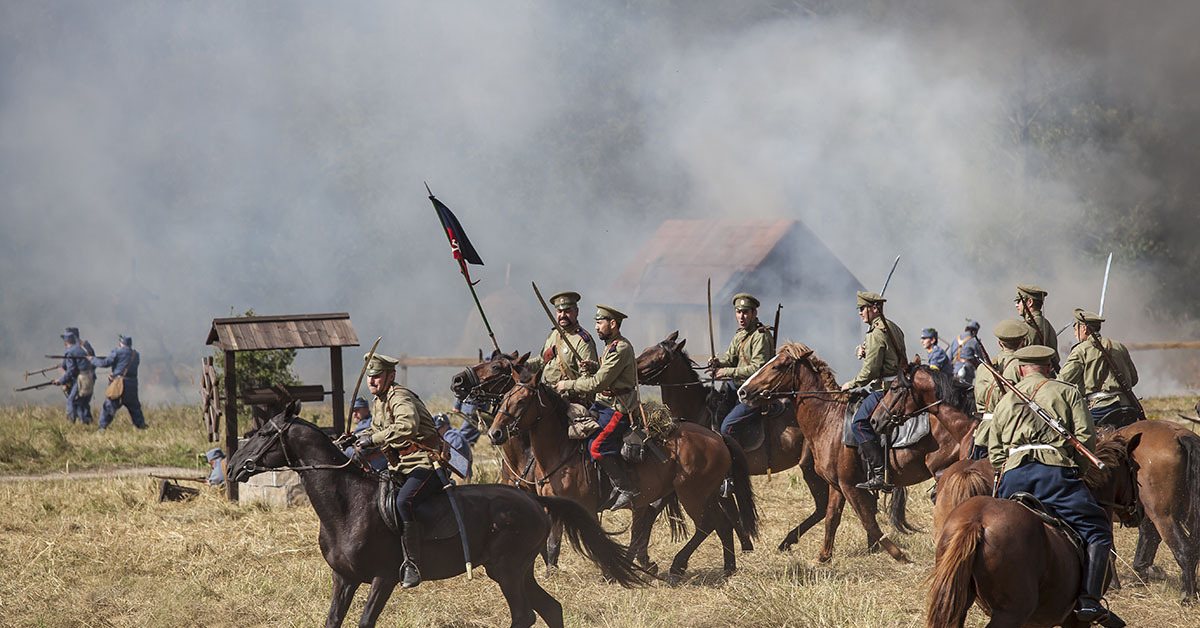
x=506 y=528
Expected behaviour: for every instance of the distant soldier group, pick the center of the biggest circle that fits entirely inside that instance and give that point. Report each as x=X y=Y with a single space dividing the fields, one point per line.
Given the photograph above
x=78 y=380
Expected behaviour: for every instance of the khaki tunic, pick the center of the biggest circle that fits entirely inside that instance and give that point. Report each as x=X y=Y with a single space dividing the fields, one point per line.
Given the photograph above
x=615 y=380
x=399 y=417
x=561 y=363
x=1015 y=425
x=881 y=360
x=1048 y=337
x=988 y=392
x=748 y=352
x=1087 y=370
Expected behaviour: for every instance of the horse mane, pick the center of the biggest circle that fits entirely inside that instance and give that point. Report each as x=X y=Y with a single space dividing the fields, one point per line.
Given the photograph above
x=558 y=405
x=800 y=351
x=361 y=469
x=1112 y=451
x=948 y=391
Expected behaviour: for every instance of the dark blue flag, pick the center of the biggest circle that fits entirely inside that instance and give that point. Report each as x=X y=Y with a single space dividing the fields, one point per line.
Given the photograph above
x=460 y=244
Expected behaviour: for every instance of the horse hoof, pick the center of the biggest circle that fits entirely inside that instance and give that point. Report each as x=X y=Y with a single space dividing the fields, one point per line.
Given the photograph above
x=649 y=567
x=784 y=547
x=729 y=571
x=1151 y=573
x=1186 y=600
x=673 y=579
x=746 y=549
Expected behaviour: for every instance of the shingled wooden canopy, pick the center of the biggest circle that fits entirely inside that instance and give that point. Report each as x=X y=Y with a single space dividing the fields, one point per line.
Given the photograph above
x=265 y=333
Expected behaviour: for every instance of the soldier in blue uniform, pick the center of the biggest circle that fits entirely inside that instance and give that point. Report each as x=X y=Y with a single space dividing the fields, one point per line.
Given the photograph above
x=124 y=362
x=216 y=459
x=360 y=411
x=935 y=357
x=78 y=380
x=964 y=351
x=461 y=457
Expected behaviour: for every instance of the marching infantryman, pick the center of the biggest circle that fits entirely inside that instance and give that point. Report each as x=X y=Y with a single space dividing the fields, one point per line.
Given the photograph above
x=614 y=381
x=881 y=364
x=400 y=420
x=78 y=379
x=1028 y=302
x=749 y=350
x=1037 y=460
x=1010 y=335
x=124 y=362
x=556 y=360
x=964 y=351
x=935 y=357
x=1103 y=372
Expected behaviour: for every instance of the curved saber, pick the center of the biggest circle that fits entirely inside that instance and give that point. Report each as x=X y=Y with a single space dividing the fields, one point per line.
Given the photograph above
x=358 y=384
x=448 y=486
x=1104 y=288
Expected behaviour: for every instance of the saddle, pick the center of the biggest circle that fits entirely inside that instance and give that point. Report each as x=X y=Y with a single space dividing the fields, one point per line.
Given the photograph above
x=905 y=435
x=435 y=513
x=754 y=433
x=1051 y=518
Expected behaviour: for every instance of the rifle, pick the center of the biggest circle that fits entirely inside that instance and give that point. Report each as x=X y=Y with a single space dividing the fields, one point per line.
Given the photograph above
x=36 y=386
x=75 y=357
x=712 y=345
x=41 y=372
x=562 y=335
x=1112 y=366
x=1039 y=411
x=178 y=478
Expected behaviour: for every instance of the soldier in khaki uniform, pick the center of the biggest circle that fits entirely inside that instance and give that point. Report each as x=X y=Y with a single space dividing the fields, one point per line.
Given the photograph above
x=556 y=360
x=1037 y=460
x=1010 y=335
x=1091 y=372
x=400 y=420
x=749 y=350
x=1029 y=302
x=881 y=364
x=615 y=381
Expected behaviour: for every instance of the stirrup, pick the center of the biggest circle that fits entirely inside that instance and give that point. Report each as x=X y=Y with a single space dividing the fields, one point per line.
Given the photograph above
x=410 y=575
x=875 y=483
x=624 y=500
x=727 y=487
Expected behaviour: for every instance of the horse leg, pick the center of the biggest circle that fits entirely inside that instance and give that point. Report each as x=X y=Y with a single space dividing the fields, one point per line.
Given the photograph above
x=343 y=594
x=680 y=563
x=543 y=603
x=729 y=508
x=725 y=529
x=1186 y=556
x=553 y=547
x=866 y=506
x=833 y=518
x=1147 y=548
x=639 y=538
x=381 y=590
x=820 y=493
x=513 y=585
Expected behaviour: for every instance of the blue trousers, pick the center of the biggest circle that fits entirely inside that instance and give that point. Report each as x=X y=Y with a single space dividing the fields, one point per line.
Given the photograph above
x=418 y=484
x=861 y=425
x=79 y=408
x=740 y=412
x=129 y=399
x=613 y=427
x=1062 y=491
x=1100 y=414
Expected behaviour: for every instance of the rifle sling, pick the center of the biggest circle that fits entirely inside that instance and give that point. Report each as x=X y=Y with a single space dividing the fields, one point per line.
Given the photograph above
x=1112 y=366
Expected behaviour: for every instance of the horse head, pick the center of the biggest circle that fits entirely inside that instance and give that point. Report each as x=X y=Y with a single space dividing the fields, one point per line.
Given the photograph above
x=794 y=368
x=654 y=361
x=520 y=407
x=924 y=389
x=1116 y=487
x=491 y=377
x=266 y=448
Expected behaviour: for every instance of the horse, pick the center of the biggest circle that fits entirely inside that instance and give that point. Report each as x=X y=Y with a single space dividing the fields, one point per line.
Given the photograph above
x=505 y=527
x=697 y=461
x=820 y=408
x=667 y=365
x=1021 y=570
x=1169 y=478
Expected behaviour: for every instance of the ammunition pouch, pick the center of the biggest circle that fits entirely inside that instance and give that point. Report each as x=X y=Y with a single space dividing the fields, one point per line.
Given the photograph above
x=633 y=446
x=116 y=388
x=86 y=384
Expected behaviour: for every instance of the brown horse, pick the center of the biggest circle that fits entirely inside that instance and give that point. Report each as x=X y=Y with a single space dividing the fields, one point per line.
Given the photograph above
x=1169 y=478
x=667 y=365
x=1020 y=570
x=698 y=460
x=820 y=408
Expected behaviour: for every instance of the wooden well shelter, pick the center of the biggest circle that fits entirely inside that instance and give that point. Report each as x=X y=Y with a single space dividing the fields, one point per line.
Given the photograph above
x=266 y=333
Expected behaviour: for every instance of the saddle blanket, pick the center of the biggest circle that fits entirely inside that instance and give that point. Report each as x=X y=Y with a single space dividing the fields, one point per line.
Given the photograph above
x=906 y=435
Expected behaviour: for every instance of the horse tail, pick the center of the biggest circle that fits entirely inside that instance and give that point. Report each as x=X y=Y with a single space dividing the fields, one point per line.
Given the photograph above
x=679 y=529
x=949 y=594
x=1191 y=450
x=743 y=491
x=898 y=511
x=590 y=539
x=956 y=488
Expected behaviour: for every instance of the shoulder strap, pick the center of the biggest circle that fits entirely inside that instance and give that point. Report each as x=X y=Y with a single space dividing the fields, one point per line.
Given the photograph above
x=132 y=355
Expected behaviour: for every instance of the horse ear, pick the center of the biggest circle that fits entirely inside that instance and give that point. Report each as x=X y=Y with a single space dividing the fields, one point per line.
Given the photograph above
x=521 y=360
x=495 y=354
x=916 y=360
x=293 y=408
x=679 y=347
x=1133 y=443
x=672 y=338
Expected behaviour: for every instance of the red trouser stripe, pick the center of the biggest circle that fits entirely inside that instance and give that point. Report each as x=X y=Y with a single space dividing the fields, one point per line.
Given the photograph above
x=605 y=433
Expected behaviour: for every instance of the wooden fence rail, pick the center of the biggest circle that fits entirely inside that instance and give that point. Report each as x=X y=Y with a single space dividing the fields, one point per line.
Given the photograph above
x=412 y=360
x=1159 y=346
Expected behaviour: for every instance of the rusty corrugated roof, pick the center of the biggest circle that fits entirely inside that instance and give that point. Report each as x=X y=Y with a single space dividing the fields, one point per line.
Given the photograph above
x=674 y=264
x=298 y=331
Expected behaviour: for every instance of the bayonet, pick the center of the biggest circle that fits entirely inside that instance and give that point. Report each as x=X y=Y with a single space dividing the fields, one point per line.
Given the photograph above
x=889 y=277
x=1104 y=287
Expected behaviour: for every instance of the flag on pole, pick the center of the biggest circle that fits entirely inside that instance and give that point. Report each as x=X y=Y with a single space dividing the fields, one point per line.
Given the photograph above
x=460 y=244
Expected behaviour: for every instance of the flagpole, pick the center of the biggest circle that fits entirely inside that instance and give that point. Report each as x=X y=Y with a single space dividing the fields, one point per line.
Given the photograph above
x=462 y=268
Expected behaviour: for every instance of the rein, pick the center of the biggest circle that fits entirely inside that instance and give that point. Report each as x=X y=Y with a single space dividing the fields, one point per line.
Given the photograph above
x=252 y=464
x=514 y=429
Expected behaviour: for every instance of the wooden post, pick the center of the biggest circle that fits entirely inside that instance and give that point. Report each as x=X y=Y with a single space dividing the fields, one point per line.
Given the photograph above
x=404 y=370
x=339 y=395
x=231 y=422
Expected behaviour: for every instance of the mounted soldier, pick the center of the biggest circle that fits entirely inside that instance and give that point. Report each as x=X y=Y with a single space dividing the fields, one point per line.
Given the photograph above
x=557 y=360
x=881 y=353
x=403 y=428
x=1029 y=301
x=1010 y=336
x=752 y=346
x=615 y=386
x=964 y=351
x=1104 y=374
x=1038 y=460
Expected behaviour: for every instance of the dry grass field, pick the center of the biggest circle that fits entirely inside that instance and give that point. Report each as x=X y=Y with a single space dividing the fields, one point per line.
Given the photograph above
x=104 y=553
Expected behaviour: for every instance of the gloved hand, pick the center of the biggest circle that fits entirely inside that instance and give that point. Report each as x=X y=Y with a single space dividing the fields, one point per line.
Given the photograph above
x=364 y=440
x=713 y=364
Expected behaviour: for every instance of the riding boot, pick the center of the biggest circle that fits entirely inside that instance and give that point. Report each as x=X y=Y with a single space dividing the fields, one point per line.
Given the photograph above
x=626 y=491
x=410 y=569
x=1090 y=609
x=871 y=452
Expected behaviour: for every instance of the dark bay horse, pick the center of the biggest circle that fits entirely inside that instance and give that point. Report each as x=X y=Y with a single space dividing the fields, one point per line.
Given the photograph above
x=698 y=460
x=820 y=408
x=1169 y=478
x=506 y=528
x=667 y=365
x=1020 y=570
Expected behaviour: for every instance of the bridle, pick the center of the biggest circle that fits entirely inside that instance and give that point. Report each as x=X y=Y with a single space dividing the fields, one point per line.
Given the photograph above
x=251 y=465
x=514 y=428
x=651 y=378
x=774 y=391
x=1134 y=509
x=895 y=419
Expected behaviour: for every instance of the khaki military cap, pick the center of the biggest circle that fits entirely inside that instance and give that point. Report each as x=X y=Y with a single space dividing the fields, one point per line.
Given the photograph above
x=611 y=313
x=565 y=300
x=1087 y=318
x=380 y=363
x=744 y=301
x=866 y=299
x=1029 y=292
x=1011 y=329
x=1034 y=354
